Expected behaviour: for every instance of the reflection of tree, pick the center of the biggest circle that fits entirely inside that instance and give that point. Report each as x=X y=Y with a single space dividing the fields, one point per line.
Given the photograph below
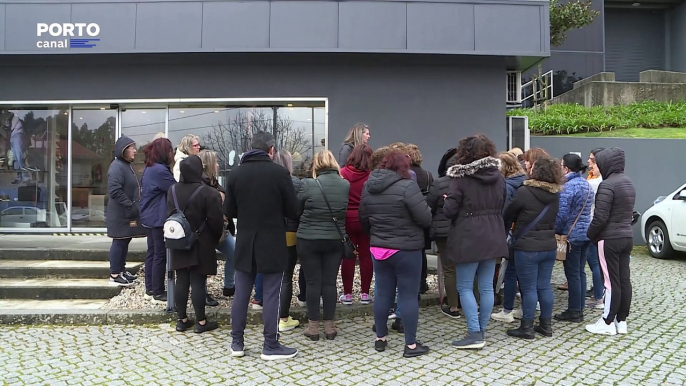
x=100 y=140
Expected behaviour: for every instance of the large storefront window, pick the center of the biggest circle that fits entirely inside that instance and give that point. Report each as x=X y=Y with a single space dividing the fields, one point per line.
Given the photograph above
x=142 y=126
x=33 y=167
x=93 y=134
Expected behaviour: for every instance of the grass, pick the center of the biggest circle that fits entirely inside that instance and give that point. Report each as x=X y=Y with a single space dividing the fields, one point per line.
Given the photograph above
x=638 y=132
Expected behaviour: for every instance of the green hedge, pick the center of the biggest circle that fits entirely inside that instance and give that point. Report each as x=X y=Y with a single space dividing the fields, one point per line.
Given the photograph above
x=571 y=119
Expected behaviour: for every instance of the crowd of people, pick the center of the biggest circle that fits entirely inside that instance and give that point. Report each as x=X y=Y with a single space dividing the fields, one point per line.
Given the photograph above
x=513 y=211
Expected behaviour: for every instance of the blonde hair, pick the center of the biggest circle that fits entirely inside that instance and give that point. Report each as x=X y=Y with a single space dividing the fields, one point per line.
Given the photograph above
x=209 y=163
x=356 y=134
x=509 y=165
x=284 y=158
x=324 y=159
x=186 y=144
x=414 y=153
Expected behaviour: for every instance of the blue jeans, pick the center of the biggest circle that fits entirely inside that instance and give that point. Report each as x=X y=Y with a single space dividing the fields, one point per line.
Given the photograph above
x=259 y=280
x=575 y=271
x=477 y=316
x=402 y=270
x=594 y=264
x=397 y=309
x=534 y=271
x=155 y=261
x=228 y=248
x=510 y=285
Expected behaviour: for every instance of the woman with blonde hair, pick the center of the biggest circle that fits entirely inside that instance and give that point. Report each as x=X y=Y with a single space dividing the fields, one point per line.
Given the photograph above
x=189 y=145
x=358 y=135
x=322 y=200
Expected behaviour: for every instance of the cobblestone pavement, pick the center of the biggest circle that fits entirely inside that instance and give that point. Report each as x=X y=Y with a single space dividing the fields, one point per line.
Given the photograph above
x=654 y=351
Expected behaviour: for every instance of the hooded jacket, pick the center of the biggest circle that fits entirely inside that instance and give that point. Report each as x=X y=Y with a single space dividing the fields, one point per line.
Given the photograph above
x=205 y=208
x=615 y=200
x=474 y=204
x=439 y=224
x=155 y=182
x=576 y=200
x=357 y=179
x=393 y=211
x=316 y=222
x=178 y=157
x=124 y=196
x=215 y=184
x=527 y=204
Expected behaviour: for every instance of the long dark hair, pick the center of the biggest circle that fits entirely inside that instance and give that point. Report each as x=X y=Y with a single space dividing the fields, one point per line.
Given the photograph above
x=158 y=151
x=361 y=157
x=546 y=169
x=574 y=163
x=474 y=148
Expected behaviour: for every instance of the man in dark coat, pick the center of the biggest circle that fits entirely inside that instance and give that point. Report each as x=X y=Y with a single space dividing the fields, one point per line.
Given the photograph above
x=123 y=210
x=260 y=194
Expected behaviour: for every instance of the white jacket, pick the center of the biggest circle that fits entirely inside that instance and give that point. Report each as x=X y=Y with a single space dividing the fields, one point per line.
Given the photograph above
x=180 y=156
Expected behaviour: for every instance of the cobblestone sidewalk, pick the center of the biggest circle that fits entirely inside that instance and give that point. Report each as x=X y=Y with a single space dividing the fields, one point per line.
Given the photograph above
x=653 y=353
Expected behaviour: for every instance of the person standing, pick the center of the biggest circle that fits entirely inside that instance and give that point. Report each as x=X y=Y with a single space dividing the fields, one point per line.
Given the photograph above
x=394 y=213
x=596 y=293
x=189 y=145
x=156 y=180
x=424 y=180
x=358 y=135
x=201 y=205
x=260 y=194
x=476 y=238
x=123 y=210
x=356 y=172
x=572 y=221
x=611 y=230
x=322 y=199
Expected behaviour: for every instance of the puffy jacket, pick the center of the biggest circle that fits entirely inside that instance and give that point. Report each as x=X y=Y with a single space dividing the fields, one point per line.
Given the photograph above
x=124 y=196
x=424 y=179
x=511 y=185
x=178 y=157
x=156 y=181
x=576 y=200
x=292 y=224
x=527 y=204
x=439 y=223
x=614 y=204
x=316 y=222
x=393 y=211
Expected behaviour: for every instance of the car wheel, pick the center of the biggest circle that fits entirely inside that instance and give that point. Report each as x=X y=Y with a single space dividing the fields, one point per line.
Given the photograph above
x=658 y=240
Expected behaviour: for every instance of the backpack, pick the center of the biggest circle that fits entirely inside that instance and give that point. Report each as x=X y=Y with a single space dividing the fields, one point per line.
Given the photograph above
x=178 y=233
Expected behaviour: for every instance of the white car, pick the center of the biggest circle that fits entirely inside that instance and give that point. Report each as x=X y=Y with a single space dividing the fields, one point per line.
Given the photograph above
x=664 y=225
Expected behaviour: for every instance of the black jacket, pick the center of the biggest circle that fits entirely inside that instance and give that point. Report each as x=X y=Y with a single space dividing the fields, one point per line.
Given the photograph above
x=316 y=222
x=393 y=211
x=124 y=191
x=439 y=224
x=527 y=204
x=205 y=207
x=344 y=153
x=292 y=224
x=474 y=204
x=259 y=193
x=424 y=179
x=215 y=184
x=614 y=203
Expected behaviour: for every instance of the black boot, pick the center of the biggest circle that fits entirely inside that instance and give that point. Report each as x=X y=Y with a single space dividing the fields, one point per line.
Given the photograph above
x=544 y=327
x=525 y=330
x=570 y=316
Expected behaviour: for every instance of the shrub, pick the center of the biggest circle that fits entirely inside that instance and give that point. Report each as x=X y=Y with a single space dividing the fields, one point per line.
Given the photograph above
x=572 y=118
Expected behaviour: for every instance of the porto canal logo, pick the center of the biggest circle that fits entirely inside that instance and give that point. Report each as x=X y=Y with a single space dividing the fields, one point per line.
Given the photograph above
x=67 y=35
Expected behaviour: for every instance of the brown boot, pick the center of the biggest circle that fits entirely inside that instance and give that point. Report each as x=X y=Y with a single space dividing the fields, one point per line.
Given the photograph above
x=330 y=330
x=312 y=330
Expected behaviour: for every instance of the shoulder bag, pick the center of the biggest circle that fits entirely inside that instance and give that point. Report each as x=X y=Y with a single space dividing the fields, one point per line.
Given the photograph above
x=349 y=249
x=513 y=239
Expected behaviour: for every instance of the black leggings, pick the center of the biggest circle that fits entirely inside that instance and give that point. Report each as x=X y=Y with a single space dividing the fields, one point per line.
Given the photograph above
x=185 y=279
x=287 y=283
x=322 y=260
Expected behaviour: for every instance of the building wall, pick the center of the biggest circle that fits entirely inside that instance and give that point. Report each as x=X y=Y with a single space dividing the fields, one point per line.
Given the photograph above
x=677 y=38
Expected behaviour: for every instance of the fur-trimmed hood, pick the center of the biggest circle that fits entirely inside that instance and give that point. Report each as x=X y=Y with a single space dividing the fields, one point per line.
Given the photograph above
x=547 y=186
x=485 y=170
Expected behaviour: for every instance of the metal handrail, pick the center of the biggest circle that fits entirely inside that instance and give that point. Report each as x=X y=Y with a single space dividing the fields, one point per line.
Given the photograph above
x=535 y=92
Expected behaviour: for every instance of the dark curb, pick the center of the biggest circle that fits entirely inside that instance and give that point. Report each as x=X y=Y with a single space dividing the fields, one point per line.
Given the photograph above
x=141 y=317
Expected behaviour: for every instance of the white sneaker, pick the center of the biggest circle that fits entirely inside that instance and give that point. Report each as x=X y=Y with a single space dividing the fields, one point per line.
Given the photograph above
x=503 y=317
x=621 y=327
x=518 y=313
x=600 y=327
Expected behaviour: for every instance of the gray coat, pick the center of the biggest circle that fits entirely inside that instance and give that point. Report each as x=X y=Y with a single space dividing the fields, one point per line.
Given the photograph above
x=316 y=222
x=344 y=153
x=124 y=190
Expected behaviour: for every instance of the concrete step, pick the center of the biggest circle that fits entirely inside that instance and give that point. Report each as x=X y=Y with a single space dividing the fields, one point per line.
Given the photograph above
x=49 y=289
x=62 y=304
x=68 y=269
x=64 y=254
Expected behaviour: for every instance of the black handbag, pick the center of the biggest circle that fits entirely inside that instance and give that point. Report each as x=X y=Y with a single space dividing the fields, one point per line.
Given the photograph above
x=349 y=249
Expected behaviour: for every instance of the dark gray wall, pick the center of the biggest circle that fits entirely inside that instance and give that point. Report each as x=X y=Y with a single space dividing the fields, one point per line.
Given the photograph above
x=652 y=164
x=432 y=105
x=677 y=38
x=517 y=28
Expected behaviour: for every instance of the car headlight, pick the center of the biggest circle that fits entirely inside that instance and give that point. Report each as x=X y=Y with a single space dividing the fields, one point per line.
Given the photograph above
x=659 y=200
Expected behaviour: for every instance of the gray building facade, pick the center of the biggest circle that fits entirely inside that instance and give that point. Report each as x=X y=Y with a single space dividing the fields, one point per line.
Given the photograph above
x=78 y=74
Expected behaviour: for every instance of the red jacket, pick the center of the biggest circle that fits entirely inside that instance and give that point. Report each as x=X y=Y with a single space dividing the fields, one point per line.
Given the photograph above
x=357 y=179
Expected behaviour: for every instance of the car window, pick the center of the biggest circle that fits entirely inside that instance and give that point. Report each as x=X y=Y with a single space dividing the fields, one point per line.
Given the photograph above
x=13 y=212
x=678 y=192
x=30 y=211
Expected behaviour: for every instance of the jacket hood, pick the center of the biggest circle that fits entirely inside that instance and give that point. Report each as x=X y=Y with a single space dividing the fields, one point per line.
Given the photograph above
x=610 y=161
x=179 y=156
x=380 y=179
x=516 y=181
x=191 y=170
x=485 y=170
x=446 y=161
x=546 y=192
x=121 y=145
x=356 y=175
x=573 y=175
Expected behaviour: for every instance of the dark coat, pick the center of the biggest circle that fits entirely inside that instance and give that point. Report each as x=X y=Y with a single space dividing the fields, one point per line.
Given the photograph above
x=215 y=184
x=124 y=189
x=439 y=224
x=424 y=179
x=576 y=200
x=156 y=181
x=511 y=185
x=259 y=193
x=393 y=211
x=527 y=204
x=205 y=207
x=614 y=203
x=292 y=224
x=344 y=153
x=474 y=204
x=315 y=218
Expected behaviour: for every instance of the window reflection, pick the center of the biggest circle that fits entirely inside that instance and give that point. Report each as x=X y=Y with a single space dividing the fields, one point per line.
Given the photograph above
x=142 y=126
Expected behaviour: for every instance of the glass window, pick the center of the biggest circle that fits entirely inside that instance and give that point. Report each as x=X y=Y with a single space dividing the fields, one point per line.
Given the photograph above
x=93 y=136
x=300 y=130
x=142 y=126
x=33 y=166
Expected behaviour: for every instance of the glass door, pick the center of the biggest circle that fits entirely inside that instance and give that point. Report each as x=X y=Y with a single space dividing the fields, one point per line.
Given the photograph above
x=142 y=125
